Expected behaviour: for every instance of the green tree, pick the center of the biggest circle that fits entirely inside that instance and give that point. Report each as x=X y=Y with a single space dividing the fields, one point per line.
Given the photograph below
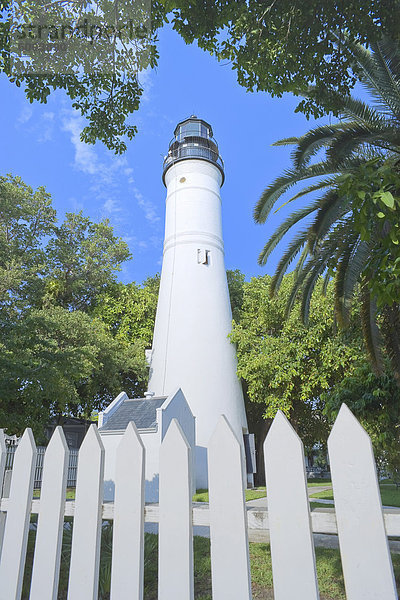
x=375 y=401
x=354 y=232
x=287 y=366
x=82 y=260
x=103 y=47
x=57 y=362
x=288 y=45
x=129 y=310
x=56 y=358
x=27 y=218
x=263 y=41
x=235 y=285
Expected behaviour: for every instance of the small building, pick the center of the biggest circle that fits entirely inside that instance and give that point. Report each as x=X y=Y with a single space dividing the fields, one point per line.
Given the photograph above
x=74 y=430
x=152 y=417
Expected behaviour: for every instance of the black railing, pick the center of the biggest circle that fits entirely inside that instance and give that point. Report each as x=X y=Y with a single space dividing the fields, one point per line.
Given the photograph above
x=72 y=465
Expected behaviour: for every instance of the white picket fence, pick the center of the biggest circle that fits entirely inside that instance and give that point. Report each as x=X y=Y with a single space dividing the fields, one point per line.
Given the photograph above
x=359 y=521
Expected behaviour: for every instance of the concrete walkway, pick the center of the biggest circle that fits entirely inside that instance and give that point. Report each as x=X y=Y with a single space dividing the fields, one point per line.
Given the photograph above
x=321 y=540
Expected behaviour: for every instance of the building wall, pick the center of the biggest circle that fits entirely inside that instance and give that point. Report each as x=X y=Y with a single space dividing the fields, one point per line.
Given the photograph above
x=174 y=407
x=191 y=348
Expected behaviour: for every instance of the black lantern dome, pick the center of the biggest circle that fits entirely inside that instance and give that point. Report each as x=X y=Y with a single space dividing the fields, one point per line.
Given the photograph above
x=193 y=139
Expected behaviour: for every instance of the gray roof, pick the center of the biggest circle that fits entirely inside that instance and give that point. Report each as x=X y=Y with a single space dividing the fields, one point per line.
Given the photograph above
x=140 y=410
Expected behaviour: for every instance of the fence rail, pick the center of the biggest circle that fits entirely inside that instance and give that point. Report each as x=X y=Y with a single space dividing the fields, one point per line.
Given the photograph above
x=358 y=519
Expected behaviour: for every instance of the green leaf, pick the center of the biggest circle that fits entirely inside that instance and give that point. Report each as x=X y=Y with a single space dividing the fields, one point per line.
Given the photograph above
x=387 y=199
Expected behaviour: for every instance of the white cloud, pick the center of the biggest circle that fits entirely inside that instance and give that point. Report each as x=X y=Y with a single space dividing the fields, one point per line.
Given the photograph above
x=111 y=206
x=111 y=183
x=46 y=127
x=25 y=114
x=150 y=211
x=146 y=82
x=86 y=159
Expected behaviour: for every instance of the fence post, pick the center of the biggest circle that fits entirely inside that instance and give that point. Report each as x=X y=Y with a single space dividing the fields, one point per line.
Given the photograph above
x=46 y=563
x=230 y=565
x=3 y=458
x=292 y=545
x=18 y=517
x=128 y=536
x=367 y=566
x=175 y=558
x=86 y=533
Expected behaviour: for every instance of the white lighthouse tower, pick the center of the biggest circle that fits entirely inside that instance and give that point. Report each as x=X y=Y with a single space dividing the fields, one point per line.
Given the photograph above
x=191 y=349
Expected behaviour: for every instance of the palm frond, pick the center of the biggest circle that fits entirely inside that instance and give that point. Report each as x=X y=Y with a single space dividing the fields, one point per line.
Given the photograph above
x=387 y=78
x=391 y=51
x=315 y=265
x=327 y=279
x=276 y=237
x=350 y=141
x=390 y=331
x=308 y=291
x=370 y=329
x=341 y=306
x=311 y=188
x=292 y=251
x=286 y=141
x=347 y=277
x=315 y=139
x=374 y=75
x=301 y=261
x=332 y=208
x=361 y=112
x=281 y=184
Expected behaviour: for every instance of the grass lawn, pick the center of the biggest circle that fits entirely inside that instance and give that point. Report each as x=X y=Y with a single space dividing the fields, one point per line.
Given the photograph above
x=70 y=493
x=318 y=481
x=202 y=495
x=389 y=493
x=328 y=568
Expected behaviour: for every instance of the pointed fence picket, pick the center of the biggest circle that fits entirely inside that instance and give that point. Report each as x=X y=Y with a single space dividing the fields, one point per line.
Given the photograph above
x=3 y=459
x=289 y=514
x=175 y=564
x=367 y=566
x=230 y=565
x=362 y=528
x=128 y=536
x=46 y=564
x=85 y=550
x=15 y=539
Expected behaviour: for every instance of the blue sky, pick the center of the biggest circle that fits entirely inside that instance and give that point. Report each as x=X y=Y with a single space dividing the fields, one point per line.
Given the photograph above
x=41 y=144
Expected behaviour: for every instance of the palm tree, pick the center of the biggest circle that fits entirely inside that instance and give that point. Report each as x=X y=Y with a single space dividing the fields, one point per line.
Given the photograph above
x=365 y=140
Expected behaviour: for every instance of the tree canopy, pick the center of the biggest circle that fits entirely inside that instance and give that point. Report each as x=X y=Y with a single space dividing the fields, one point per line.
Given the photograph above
x=94 y=51
x=288 y=45
x=275 y=47
x=287 y=366
x=353 y=235
x=56 y=356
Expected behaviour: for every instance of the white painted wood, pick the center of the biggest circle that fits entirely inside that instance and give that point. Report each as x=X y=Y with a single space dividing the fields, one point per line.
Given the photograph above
x=3 y=456
x=86 y=533
x=128 y=536
x=175 y=556
x=364 y=549
x=18 y=516
x=230 y=565
x=46 y=564
x=292 y=547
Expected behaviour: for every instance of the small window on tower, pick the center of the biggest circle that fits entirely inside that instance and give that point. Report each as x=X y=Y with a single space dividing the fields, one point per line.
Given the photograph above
x=203 y=256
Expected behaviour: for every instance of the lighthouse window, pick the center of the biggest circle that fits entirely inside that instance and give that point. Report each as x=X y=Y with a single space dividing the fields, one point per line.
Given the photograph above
x=203 y=256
